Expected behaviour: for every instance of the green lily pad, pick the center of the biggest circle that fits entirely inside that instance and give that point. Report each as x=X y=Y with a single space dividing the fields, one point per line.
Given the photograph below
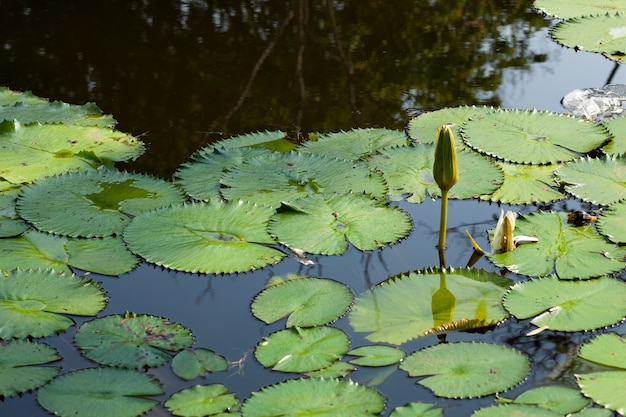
x=302 y=350
x=277 y=177
x=334 y=370
x=190 y=364
x=201 y=400
x=603 y=34
x=467 y=369
x=305 y=301
x=524 y=184
x=606 y=388
x=131 y=340
x=57 y=112
x=558 y=398
x=324 y=224
x=354 y=144
x=515 y=410
x=39 y=250
x=612 y=222
x=571 y=252
x=31 y=302
x=18 y=366
x=593 y=412
x=11 y=224
x=34 y=151
x=93 y=204
x=607 y=349
x=11 y=97
x=208 y=238
x=533 y=137
x=418 y=303
x=566 y=9
x=617 y=127
x=568 y=305
x=320 y=397
x=273 y=140
x=598 y=181
x=377 y=355
x=417 y=410
x=100 y=392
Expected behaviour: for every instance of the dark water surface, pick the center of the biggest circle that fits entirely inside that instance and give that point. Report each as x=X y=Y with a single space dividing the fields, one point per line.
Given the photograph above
x=184 y=73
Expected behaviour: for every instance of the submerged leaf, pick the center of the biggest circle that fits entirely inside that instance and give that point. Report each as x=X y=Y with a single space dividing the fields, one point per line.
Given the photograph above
x=18 y=370
x=201 y=400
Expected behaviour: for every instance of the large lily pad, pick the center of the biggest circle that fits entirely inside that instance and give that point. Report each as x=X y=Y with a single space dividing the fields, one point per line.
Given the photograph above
x=607 y=349
x=131 y=340
x=606 y=388
x=325 y=224
x=354 y=144
x=20 y=369
x=100 y=392
x=558 y=398
x=31 y=302
x=467 y=369
x=598 y=181
x=93 y=204
x=571 y=252
x=566 y=9
x=208 y=238
x=524 y=184
x=201 y=400
x=568 y=305
x=320 y=397
x=533 y=137
x=429 y=301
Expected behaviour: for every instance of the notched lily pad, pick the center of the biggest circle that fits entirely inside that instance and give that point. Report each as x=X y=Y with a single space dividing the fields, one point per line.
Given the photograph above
x=20 y=366
x=612 y=223
x=201 y=400
x=598 y=181
x=190 y=364
x=377 y=355
x=354 y=144
x=525 y=184
x=57 y=112
x=418 y=409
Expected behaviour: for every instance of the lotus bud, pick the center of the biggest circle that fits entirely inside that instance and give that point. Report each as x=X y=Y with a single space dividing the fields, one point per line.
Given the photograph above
x=446 y=167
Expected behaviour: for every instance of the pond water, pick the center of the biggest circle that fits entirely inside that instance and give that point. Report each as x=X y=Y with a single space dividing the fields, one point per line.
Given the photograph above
x=181 y=74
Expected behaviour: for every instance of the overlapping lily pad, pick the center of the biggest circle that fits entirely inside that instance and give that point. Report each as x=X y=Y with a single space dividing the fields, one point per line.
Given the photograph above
x=10 y=97
x=617 y=127
x=209 y=238
x=377 y=355
x=566 y=9
x=20 y=366
x=525 y=184
x=57 y=112
x=201 y=400
x=190 y=364
x=32 y=302
x=612 y=223
x=10 y=223
x=598 y=181
x=558 y=398
x=93 y=204
x=354 y=144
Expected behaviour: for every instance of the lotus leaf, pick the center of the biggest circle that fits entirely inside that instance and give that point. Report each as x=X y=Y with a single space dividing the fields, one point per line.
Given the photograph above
x=558 y=398
x=612 y=224
x=324 y=224
x=524 y=184
x=10 y=223
x=566 y=9
x=34 y=151
x=606 y=388
x=131 y=340
x=617 y=127
x=598 y=181
x=201 y=400
x=570 y=251
x=515 y=410
x=418 y=303
x=306 y=302
x=417 y=410
x=302 y=350
x=603 y=34
x=320 y=397
x=208 y=238
x=18 y=370
x=190 y=364
x=533 y=137
x=354 y=144
x=57 y=112
x=568 y=305
x=377 y=355
x=31 y=302
x=467 y=369
x=100 y=392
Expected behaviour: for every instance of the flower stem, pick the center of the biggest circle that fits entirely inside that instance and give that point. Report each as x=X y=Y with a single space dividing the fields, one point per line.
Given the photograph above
x=443 y=221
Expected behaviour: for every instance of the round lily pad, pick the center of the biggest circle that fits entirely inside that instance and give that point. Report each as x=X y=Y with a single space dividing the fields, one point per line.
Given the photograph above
x=525 y=184
x=201 y=400
x=93 y=204
x=354 y=144
x=612 y=222
x=418 y=409
x=20 y=366
x=190 y=364
x=607 y=349
x=606 y=388
x=598 y=181
x=377 y=355
x=558 y=398
x=566 y=9
x=467 y=369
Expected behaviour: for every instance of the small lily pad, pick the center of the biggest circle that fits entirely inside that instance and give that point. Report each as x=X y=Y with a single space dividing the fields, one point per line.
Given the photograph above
x=306 y=301
x=467 y=369
x=558 y=398
x=19 y=366
x=598 y=181
x=100 y=392
x=612 y=222
x=190 y=364
x=377 y=355
x=131 y=340
x=201 y=400
x=354 y=144
x=417 y=410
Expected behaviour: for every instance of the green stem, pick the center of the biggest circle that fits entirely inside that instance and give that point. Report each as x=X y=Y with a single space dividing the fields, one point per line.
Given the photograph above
x=444 y=220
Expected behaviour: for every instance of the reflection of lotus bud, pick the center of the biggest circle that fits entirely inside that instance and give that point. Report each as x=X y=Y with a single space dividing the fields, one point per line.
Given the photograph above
x=446 y=168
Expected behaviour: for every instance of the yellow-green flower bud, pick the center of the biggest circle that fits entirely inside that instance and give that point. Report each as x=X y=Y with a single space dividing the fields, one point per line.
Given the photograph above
x=446 y=167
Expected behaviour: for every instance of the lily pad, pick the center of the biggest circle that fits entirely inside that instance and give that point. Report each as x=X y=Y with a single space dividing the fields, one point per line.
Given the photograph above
x=607 y=349
x=324 y=224
x=302 y=350
x=334 y=370
x=131 y=340
x=57 y=112
x=418 y=303
x=305 y=301
x=10 y=223
x=568 y=305
x=11 y=97
x=570 y=251
x=321 y=397
x=617 y=127
x=524 y=184
x=190 y=364
x=19 y=366
x=31 y=302
x=515 y=410
x=417 y=410
x=354 y=144
x=606 y=388
x=201 y=400
x=467 y=369
x=566 y=9
x=93 y=204
x=612 y=223
x=598 y=181
x=100 y=392
x=558 y=398
x=208 y=238
x=377 y=355
x=533 y=137
x=275 y=140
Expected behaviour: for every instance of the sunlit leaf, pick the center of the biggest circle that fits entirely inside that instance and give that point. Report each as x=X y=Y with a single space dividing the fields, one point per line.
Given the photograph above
x=201 y=400
x=558 y=398
x=18 y=366
x=57 y=112
x=100 y=392
x=306 y=302
x=598 y=181
x=302 y=350
x=606 y=388
x=524 y=184
x=208 y=238
x=31 y=302
x=190 y=364
x=10 y=97
x=354 y=144
x=607 y=349
x=131 y=340
x=568 y=305
x=467 y=369
x=93 y=204
x=325 y=224
x=376 y=355
x=612 y=222
x=320 y=397
x=515 y=410
x=417 y=410
x=566 y=9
